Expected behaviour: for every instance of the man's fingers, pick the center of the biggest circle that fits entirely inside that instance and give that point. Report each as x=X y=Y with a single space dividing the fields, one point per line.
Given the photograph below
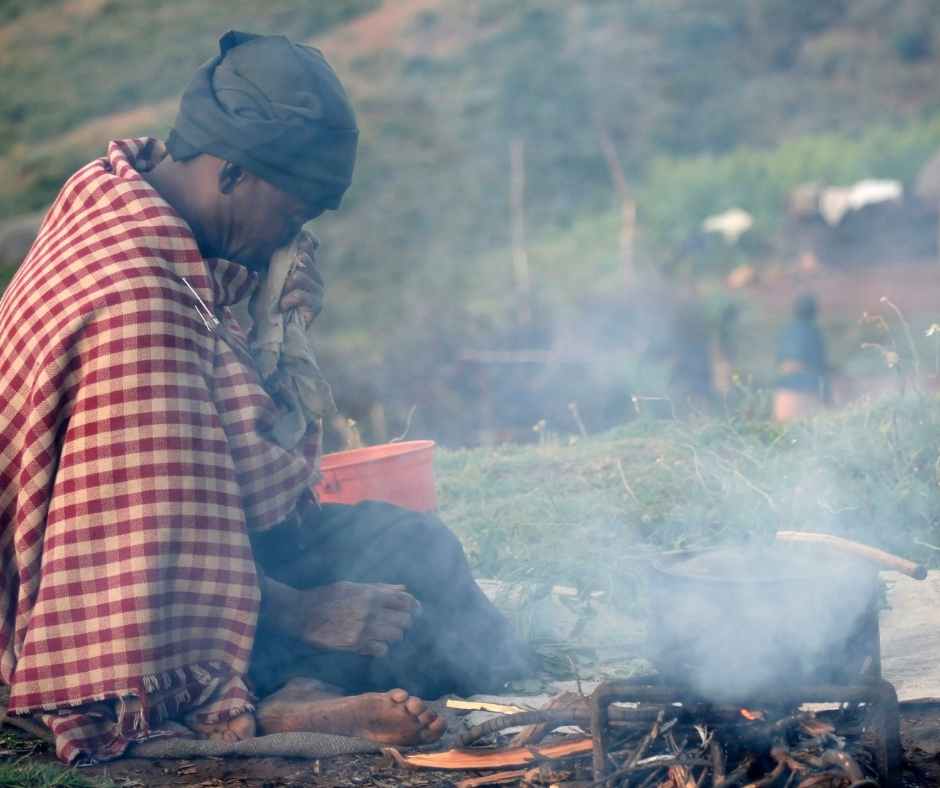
x=398 y=600
x=304 y=288
x=307 y=242
x=300 y=299
x=306 y=269
x=385 y=633
x=399 y=619
x=374 y=648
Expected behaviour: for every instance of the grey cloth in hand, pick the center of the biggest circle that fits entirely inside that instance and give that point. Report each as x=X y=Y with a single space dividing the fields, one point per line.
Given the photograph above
x=284 y=354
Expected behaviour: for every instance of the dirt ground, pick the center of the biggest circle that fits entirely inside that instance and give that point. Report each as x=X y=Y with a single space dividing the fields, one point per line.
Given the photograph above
x=920 y=733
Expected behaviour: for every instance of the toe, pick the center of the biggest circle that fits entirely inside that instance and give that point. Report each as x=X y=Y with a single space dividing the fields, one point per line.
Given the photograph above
x=433 y=732
x=398 y=695
x=426 y=718
x=415 y=706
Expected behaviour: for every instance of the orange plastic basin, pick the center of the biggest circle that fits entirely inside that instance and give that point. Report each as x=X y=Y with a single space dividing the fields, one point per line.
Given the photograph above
x=399 y=473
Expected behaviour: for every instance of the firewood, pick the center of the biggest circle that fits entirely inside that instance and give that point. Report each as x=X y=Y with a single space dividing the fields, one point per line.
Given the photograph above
x=533 y=734
x=497 y=778
x=490 y=759
x=845 y=762
x=680 y=777
x=479 y=705
x=718 y=763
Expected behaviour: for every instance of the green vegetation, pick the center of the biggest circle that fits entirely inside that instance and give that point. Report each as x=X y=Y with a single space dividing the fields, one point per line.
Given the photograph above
x=587 y=512
x=23 y=774
x=708 y=105
x=129 y=53
x=678 y=194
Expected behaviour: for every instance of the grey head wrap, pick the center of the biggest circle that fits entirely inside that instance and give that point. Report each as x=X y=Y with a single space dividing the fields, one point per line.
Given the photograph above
x=275 y=108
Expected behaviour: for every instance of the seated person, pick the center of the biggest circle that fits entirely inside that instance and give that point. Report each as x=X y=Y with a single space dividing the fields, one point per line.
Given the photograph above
x=162 y=554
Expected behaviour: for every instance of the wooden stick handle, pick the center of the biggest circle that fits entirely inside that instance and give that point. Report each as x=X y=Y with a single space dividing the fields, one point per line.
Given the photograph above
x=873 y=554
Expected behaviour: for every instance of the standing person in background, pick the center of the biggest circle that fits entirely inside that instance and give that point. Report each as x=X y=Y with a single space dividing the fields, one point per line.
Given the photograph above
x=690 y=375
x=725 y=355
x=802 y=384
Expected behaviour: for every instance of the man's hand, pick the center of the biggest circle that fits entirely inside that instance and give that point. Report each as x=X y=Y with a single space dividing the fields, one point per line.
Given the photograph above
x=304 y=287
x=365 y=618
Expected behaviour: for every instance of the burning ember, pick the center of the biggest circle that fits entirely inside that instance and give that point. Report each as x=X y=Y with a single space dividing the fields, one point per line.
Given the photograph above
x=748 y=714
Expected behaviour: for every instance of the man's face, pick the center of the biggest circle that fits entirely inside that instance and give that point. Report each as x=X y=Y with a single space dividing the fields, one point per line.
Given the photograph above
x=257 y=218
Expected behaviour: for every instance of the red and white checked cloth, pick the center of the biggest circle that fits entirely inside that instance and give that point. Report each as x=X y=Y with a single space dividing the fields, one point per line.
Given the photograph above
x=132 y=464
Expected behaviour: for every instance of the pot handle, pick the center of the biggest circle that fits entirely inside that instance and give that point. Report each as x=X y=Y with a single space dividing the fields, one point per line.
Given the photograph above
x=873 y=554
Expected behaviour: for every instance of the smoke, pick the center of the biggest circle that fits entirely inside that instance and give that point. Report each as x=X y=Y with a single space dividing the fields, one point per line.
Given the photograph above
x=755 y=615
x=735 y=622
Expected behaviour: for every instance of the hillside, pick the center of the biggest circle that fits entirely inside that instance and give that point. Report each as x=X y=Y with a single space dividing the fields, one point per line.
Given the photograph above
x=707 y=104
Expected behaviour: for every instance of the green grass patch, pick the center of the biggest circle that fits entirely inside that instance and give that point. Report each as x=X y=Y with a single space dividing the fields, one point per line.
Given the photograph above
x=588 y=512
x=23 y=774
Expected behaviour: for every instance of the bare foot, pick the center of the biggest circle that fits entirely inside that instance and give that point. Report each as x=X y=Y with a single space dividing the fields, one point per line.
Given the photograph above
x=392 y=717
x=236 y=729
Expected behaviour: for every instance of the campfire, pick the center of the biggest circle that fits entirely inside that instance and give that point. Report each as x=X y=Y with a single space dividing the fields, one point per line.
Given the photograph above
x=661 y=736
x=854 y=742
x=769 y=676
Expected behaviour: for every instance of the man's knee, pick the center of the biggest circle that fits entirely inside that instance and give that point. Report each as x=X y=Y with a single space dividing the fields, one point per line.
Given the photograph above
x=422 y=545
x=437 y=542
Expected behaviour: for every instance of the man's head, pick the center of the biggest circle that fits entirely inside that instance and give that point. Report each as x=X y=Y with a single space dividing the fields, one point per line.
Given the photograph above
x=267 y=138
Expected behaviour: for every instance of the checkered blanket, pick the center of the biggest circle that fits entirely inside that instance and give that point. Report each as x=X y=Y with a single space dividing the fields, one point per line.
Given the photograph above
x=133 y=461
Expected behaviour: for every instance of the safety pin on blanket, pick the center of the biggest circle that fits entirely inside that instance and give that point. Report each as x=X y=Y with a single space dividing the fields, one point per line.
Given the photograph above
x=205 y=314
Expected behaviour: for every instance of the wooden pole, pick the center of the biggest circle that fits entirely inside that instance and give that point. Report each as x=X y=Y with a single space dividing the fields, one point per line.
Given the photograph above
x=520 y=256
x=627 y=203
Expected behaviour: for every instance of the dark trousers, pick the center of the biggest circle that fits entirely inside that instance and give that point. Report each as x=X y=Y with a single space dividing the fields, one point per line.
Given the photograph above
x=459 y=644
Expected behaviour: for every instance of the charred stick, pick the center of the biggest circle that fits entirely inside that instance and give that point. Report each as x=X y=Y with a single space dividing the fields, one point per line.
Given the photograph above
x=769 y=779
x=655 y=762
x=556 y=716
x=663 y=729
x=613 y=691
x=647 y=740
x=845 y=762
x=681 y=777
x=644 y=745
x=718 y=763
x=671 y=741
x=653 y=776
x=740 y=771
x=619 y=718
x=781 y=755
x=701 y=778
x=820 y=778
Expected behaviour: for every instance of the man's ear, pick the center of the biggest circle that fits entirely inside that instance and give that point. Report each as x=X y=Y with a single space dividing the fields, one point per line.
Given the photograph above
x=229 y=177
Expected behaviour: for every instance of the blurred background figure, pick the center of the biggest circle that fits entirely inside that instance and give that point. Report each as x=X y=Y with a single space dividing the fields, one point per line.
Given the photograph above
x=802 y=384
x=690 y=376
x=725 y=353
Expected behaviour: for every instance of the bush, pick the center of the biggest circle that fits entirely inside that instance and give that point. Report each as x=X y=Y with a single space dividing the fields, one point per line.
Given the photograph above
x=678 y=194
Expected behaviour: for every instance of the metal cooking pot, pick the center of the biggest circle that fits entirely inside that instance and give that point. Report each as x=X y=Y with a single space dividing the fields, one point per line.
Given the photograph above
x=734 y=621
